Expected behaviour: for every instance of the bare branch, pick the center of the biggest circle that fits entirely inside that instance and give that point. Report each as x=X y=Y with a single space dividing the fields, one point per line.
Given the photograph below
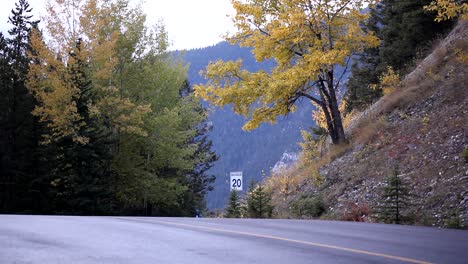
x=313 y=99
x=343 y=74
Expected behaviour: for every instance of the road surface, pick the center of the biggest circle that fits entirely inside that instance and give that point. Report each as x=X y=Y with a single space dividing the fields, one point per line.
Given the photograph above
x=71 y=239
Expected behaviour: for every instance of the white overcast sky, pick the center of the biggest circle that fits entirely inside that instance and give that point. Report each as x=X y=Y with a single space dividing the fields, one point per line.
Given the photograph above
x=190 y=23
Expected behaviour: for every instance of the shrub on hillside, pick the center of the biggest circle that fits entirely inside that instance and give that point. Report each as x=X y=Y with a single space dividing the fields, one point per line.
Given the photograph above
x=308 y=206
x=356 y=212
x=454 y=222
x=465 y=154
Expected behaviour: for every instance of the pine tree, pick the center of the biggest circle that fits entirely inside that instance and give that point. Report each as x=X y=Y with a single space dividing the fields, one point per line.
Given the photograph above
x=84 y=179
x=233 y=210
x=6 y=169
x=405 y=29
x=198 y=180
x=366 y=69
x=18 y=140
x=395 y=198
x=259 y=203
x=95 y=97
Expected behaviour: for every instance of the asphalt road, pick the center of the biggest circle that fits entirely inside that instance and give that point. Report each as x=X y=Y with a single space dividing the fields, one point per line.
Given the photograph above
x=68 y=239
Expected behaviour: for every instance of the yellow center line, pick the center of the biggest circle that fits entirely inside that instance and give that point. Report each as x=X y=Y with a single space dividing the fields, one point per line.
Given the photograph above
x=358 y=251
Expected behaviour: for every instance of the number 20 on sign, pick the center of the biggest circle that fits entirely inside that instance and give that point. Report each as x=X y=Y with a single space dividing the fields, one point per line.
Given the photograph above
x=236 y=180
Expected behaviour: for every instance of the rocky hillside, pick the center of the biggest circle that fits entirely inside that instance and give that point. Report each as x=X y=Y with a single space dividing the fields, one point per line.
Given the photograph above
x=421 y=129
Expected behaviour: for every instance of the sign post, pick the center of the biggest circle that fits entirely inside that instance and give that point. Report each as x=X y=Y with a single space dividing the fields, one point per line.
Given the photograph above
x=236 y=180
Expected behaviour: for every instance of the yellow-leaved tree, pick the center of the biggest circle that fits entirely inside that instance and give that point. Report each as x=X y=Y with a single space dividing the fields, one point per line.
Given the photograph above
x=308 y=39
x=98 y=27
x=448 y=9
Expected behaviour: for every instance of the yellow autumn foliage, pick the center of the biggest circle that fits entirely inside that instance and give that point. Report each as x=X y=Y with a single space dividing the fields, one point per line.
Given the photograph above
x=50 y=80
x=307 y=39
x=319 y=116
x=448 y=9
x=389 y=81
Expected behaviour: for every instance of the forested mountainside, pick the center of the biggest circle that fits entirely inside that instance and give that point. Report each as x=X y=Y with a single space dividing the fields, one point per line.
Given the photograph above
x=254 y=152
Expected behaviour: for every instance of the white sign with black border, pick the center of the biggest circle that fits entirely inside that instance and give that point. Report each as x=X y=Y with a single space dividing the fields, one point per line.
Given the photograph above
x=236 y=180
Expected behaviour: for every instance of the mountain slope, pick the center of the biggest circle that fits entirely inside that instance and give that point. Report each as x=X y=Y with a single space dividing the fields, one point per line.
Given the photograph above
x=420 y=129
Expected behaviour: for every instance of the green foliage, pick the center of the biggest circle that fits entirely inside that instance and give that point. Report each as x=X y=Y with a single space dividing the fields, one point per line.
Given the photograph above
x=359 y=92
x=118 y=134
x=259 y=203
x=394 y=200
x=366 y=69
x=198 y=179
x=233 y=210
x=308 y=206
x=83 y=179
x=405 y=29
x=454 y=222
x=19 y=150
x=465 y=154
x=406 y=26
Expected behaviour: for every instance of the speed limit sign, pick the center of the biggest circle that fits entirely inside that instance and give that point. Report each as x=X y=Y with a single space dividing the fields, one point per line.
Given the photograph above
x=236 y=180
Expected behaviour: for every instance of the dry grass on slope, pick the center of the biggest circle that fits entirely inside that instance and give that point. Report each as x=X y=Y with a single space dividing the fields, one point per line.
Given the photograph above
x=422 y=129
x=434 y=71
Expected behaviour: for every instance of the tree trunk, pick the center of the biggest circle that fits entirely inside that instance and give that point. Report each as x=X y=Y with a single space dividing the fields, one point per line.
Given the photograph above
x=334 y=109
x=337 y=122
x=331 y=109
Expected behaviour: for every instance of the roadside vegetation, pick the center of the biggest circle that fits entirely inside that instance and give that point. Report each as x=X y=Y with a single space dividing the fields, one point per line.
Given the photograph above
x=403 y=107
x=96 y=117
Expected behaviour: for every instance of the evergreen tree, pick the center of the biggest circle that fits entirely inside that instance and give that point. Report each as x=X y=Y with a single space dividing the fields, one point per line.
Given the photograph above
x=233 y=210
x=122 y=131
x=404 y=28
x=395 y=198
x=259 y=203
x=83 y=179
x=199 y=182
x=252 y=185
x=19 y=140
x=366 y=69
x=6 y=170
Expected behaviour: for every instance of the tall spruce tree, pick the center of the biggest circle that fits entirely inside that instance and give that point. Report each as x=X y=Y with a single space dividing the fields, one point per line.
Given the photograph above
x=259 y=203
x=83 y=177
x=6 y=169
x=233 y=210
x=407 y=27
x=19 y=141
x=395 y=198
x=199 y=182
x=366 y=68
